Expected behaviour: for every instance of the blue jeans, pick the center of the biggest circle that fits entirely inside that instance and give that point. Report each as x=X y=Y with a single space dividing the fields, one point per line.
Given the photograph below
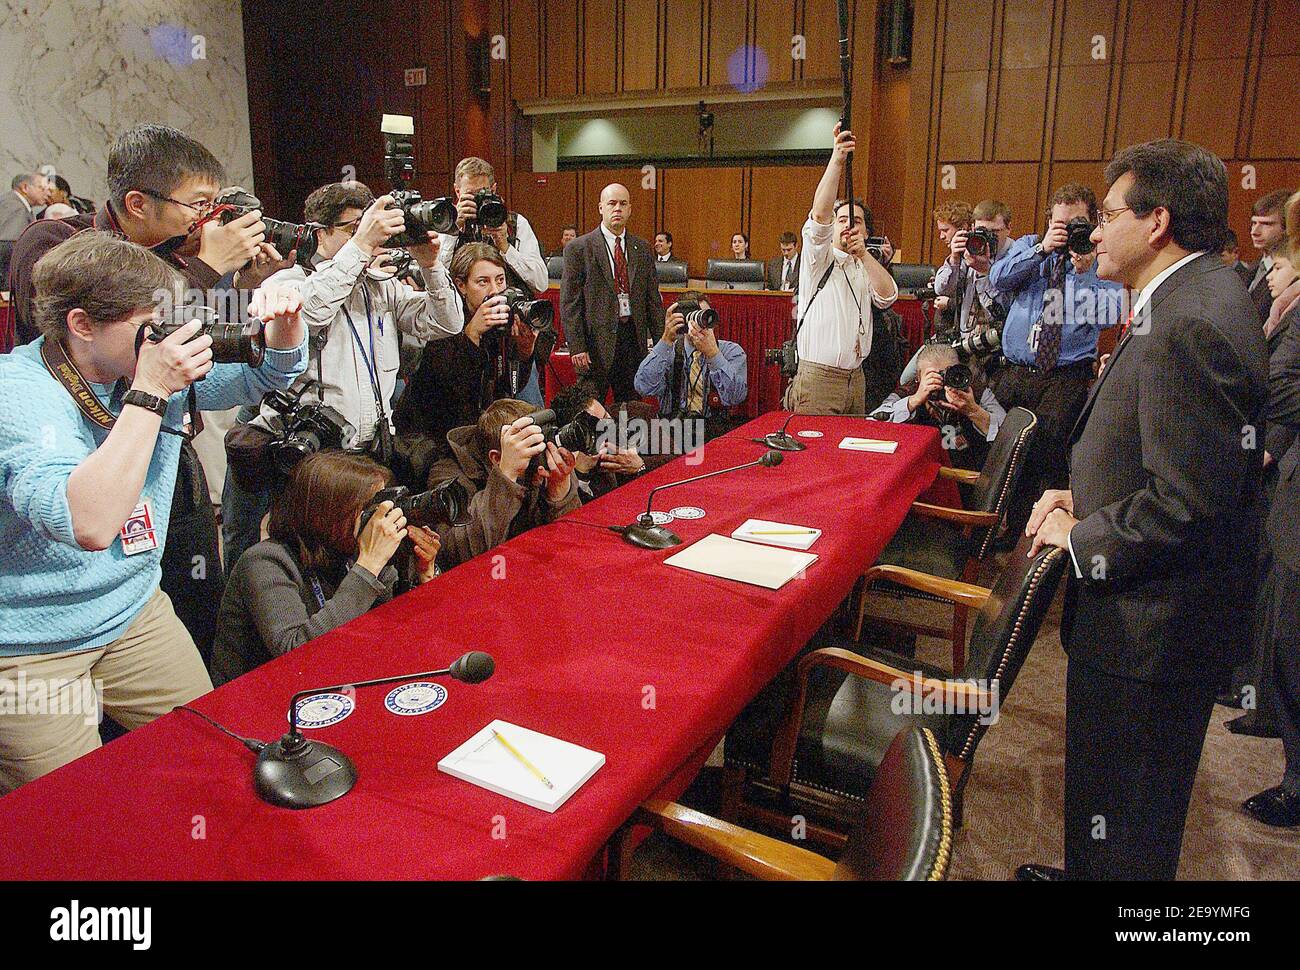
x=241 y=520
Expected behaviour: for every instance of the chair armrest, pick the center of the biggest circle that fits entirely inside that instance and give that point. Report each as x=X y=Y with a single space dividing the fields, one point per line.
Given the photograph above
x=751 y=852
x=955 y=694
x=955 y=516
x=952 y=590
x=963 y=475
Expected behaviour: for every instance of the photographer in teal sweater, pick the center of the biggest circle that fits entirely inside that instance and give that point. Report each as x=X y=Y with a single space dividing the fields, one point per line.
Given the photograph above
x=91 y=420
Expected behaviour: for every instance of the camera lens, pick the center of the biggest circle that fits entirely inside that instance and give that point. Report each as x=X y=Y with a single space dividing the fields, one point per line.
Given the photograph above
x=294 y=448
x=491 y=209
x=436 y=215
x=538 y=314
x=957 y=376
x=1079 y=236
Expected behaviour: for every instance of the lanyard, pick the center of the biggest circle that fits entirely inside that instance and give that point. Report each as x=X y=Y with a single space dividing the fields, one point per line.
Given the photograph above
x=320 y=593
x=56 y=360
x=371 y=369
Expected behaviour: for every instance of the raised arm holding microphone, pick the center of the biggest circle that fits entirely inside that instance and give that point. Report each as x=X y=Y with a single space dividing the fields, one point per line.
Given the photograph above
x=839 y=281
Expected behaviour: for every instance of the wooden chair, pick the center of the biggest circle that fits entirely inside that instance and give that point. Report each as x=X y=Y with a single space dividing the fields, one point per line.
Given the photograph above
x=952 y=543
x=904 y=826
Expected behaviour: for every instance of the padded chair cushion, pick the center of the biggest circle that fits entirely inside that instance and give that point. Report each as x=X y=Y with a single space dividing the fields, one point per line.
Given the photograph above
x=928 y=546
x=847 y=727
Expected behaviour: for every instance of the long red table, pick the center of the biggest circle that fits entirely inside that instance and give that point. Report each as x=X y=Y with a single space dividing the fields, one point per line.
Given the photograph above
x=595 y=642
x=758 y=321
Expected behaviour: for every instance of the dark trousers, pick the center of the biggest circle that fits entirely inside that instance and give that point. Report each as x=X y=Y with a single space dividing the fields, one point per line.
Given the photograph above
x=1131 y=751
x=1284 y=583
x=1056 y=398
x=621 y=373
x=1254 y=680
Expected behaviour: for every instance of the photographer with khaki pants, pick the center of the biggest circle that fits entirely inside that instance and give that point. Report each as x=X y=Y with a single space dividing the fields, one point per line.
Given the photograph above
x=839 y=281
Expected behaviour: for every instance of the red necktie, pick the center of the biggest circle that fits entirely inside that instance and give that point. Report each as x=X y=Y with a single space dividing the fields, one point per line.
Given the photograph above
x=1124 y=330
x=620 y=266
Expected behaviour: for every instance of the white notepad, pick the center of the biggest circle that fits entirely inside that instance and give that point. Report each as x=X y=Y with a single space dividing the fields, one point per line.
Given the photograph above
x=486 y=762
x=752 y=529
x=869 y=444
x=745 y=562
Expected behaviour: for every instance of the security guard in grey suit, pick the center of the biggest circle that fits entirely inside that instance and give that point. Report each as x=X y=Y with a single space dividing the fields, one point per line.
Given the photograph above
x=1161 y=519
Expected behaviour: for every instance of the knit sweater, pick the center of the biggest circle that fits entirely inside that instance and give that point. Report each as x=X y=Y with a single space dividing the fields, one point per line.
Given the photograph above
x=56 y=596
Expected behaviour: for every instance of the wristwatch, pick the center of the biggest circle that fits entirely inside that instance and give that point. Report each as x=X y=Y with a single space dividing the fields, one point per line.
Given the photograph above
x=158 y=405
x=1039 y=250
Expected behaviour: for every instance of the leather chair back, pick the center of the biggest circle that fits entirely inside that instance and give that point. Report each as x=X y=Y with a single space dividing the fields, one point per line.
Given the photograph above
x=554 y=267
x=671 y=273
x=1003 y=633
x=907 y=819
x=737 y=274
x=1002 y=470
x=912 y=276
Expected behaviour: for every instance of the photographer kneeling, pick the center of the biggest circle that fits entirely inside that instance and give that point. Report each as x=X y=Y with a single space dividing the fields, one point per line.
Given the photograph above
x=491 y=459
x=600 y=467
x=948 y=397
x=87 y=474
x=320 y=568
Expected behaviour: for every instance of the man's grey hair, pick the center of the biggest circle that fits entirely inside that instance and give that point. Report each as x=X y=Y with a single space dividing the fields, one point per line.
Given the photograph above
x=937 y=355
x=27 y=178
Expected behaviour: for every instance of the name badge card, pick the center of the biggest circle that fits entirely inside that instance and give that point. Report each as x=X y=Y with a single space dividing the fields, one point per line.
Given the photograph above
x=138 y=534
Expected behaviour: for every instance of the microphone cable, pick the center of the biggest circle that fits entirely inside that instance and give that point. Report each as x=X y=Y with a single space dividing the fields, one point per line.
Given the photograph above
x=252 y=744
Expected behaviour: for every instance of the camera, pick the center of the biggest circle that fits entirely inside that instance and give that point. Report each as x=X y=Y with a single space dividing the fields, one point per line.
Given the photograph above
x=786 y=356
x=579 y=435
x=876 y=247
x=303 y=429
x=422 y=217
x=696 y=314
x=956 y=376
x=231 y=343
x=491 y=209
x=538 y=314
x=1079 y=236
x=447 y=502
x=979 y=344
x=982 y=241
x=284 y=236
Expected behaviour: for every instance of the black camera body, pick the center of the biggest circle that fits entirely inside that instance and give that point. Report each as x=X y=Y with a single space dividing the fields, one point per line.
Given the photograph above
x=286 y=237
x=447 y=502
x=304 y=429
x=582 y=434
x=876 y=247
x=231 y=342
x=707 y=318
x=956 y=376
x=1079 y=236
x=982 y=241
x=538 y=314
x=421 y=217
x=786 y=357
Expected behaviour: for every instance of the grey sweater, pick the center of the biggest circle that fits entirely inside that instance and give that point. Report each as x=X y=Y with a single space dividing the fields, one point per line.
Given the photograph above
x=270 y=607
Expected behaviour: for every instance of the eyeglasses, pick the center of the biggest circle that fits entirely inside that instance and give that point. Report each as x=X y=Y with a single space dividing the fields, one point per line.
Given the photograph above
x=199 y=207
x=349 y=227
x=1106 y=215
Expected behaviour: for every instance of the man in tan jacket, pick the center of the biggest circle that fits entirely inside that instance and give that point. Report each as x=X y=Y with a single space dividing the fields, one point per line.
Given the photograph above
x=490 y=460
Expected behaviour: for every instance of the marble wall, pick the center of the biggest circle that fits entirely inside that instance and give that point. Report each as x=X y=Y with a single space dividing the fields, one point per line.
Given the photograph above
x=76 y=73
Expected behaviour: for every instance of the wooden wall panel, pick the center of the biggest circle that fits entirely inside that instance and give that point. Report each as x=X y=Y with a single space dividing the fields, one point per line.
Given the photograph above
x=1151 y=31
x=728 y=33
x=1021 y=113
x=1026 y=33
x=774 y=27
x=1213 y=105
x=549 y=201
x=703 y=208
x=968 y=36
x=821 y=30
x=1086 y=20
x=961 y=119
x=560 y=39
x=1280 y=33
x=1274 y=133
x=1076 y=133
x=1221 y=29
x=1146 y=99
x=599 y=46
x=522 y=54
x=639 y=45
x=684 y=53
x=780 y=198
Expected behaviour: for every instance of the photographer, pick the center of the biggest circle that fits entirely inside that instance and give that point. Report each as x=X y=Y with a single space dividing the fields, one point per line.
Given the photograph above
x=948 y=397
x=518 y=246
x=490 y=459
x=320 y=568
x=607 y=467
x=834 y=332
x=356 y=313
x=691 y=371
x=88 y=471
x=458 y=378
x=1058 y=308
x=963 y=277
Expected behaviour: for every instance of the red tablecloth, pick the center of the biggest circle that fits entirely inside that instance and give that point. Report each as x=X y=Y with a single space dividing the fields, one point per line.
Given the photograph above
x=758 y=321
x=595 y=642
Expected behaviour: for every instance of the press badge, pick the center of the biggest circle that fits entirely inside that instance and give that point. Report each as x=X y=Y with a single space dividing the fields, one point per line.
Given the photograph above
x=138 y=534
x=624 y=305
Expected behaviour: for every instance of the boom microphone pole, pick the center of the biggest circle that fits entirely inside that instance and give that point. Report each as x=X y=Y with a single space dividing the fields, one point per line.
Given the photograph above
x=846 y=75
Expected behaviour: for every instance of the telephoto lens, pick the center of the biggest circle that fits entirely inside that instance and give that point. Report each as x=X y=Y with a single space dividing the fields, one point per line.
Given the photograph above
x=981 y=242
x=957 y=376
x=1079 y=236
x=231 y=342
x=422 y=217
x=538 y=314
x=491 y=209
x=700 y=316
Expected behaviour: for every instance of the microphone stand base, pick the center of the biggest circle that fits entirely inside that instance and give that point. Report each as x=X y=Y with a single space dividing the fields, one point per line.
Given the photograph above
x=650 y=537
x=298 y=773
x=781 y=442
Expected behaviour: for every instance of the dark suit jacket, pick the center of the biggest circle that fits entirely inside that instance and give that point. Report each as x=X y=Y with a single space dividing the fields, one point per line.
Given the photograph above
x=774 y=272
x=1167 y=490
x=1284 y=411
x=1280 y=436
x=589 y=302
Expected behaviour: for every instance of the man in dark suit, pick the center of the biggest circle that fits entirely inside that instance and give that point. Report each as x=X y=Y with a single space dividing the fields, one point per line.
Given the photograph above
x=1268 y=236
x=1161 y=518
x=783 y=270
x=610 y=305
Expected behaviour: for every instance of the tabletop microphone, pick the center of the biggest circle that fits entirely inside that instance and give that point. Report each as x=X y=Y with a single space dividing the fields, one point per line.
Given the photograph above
x=644 y=534
x=783 y=441
x=297 y=772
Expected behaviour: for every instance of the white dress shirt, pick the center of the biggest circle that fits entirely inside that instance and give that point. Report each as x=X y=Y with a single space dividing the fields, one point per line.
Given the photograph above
x=524 y=257
x=836 y=328
x=1143 y=298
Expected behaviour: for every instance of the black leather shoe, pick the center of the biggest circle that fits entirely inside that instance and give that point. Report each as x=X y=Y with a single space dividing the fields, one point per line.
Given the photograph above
x=1277 y=806
x=1252 y=725
x=1229 y=698
x=1034 y=872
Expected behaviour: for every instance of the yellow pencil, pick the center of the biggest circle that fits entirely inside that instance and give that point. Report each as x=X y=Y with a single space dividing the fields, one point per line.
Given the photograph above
x=783 y=532
x=524 y=761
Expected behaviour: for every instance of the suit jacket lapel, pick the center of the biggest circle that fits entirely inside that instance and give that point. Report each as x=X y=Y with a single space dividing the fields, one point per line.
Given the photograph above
x=599 y=243
x=631 y=263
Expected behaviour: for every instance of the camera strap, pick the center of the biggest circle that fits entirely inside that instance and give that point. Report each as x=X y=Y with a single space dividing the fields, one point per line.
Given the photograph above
x=56 y=360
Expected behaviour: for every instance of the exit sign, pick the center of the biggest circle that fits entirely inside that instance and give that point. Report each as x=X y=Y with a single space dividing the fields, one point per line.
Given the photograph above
x=416 y=77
